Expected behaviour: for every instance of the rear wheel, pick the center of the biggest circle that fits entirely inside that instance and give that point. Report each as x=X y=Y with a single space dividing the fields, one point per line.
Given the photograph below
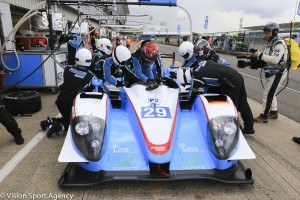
x=23 y=102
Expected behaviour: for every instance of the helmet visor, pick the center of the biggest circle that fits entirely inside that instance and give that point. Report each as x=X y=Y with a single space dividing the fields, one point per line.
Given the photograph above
x=186 y=56
x=87 y=60
x=124 y=63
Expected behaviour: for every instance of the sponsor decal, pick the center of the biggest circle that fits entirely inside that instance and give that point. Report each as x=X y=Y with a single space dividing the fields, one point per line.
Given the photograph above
x=154 y=100
x=126 y=162
x=116 y=149
x=125 y=165
x=125 y=168
x=158 y=148
x=193 y=167
x=193 y=163
x=185 y=148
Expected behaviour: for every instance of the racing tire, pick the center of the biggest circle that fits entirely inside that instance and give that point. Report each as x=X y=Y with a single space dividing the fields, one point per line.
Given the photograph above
x=23 y=102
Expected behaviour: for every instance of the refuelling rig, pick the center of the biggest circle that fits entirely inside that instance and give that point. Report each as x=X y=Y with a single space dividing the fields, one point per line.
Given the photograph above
x=26 y=57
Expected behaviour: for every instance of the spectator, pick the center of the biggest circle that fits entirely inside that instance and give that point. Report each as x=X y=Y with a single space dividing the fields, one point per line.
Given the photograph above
x=94 y=38
x=128 y=43
x=178 y=41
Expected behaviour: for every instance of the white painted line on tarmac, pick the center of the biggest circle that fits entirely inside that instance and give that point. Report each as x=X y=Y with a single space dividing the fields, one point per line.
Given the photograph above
x=14 y=161
x=265 y=81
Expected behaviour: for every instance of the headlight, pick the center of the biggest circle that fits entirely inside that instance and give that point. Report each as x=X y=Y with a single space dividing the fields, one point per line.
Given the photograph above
x=82 y=128
x=88 y=136
x=223 y=136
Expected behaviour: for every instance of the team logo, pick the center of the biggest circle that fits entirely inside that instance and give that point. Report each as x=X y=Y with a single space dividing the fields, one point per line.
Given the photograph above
x=154 y=100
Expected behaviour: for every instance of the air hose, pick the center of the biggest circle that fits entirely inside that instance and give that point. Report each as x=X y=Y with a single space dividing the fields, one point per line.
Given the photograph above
x=11 y=37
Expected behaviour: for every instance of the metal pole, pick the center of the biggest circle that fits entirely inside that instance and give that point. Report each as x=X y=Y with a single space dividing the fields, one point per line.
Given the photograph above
x=50 y=26
x=191 y=30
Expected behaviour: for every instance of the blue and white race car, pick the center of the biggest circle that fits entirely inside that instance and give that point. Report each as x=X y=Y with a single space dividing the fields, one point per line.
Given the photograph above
x=135 y=134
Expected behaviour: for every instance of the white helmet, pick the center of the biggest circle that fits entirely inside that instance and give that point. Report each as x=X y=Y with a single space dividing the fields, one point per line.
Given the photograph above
x=121 y=55
x=83 y=57
x=104 y=45
x=75 y=28
x=186 y=50
x=184 y=75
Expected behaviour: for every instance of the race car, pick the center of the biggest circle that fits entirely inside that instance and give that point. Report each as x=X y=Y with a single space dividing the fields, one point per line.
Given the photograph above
x=134 y=134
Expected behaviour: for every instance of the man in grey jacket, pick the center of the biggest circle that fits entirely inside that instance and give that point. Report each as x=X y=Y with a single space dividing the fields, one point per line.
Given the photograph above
x=275 y=56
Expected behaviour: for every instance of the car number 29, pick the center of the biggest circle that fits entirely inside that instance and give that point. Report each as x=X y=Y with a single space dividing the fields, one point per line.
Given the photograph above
x=155 y=112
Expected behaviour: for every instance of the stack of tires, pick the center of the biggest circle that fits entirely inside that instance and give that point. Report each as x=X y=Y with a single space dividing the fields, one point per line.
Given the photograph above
x=23 y=102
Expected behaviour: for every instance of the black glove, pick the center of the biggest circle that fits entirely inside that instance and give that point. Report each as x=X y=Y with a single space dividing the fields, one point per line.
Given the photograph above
x=173 y=75
x=170 y=83
x=96 y=59
x=151 y=85
x=243 y=64
x=63 y=38
x=159 y=80
x=119 y=84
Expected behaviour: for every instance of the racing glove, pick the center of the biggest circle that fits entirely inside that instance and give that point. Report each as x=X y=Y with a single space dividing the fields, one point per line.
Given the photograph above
x=151 y=85
x=119 y=84
x=173 y=75
x=63 y=38
x=159 y=80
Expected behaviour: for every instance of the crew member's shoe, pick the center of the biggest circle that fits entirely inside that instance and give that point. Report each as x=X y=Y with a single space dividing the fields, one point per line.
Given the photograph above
x=56 y=127
x=296 y=139
x=273 y=115
x=46 y=123
x=248 y=131
x=18 y=139
x=261 y=119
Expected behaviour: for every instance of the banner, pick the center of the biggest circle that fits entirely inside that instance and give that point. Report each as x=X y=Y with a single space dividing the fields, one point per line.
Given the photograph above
x=298 y=10
x=159 y=1
x=206 y=22
x=178 y=28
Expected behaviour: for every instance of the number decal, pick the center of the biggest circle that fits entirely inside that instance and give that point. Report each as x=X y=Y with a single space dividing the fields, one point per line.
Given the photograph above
x=155 y=112
x=149 y=112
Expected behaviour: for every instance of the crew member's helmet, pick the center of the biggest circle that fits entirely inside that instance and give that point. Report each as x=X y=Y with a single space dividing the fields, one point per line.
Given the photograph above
x=272 y=27
x=185 y=50
x=202 y=48
x=184 y=75
x=83 y=57
x=121 y=55
x=149 y=52
x=75 y=28
x=104 y=45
